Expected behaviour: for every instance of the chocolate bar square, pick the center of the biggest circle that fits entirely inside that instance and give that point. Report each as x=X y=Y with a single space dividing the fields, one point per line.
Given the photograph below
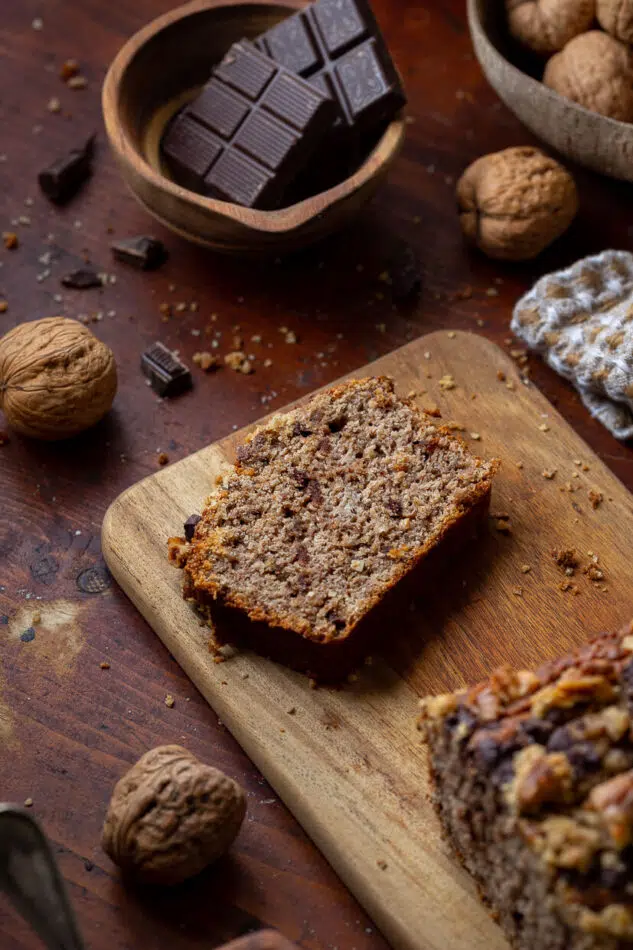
x=249 y=132
x=338 y=46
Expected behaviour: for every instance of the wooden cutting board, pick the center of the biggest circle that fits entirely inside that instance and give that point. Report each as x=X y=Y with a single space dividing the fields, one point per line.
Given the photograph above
x=350 y=763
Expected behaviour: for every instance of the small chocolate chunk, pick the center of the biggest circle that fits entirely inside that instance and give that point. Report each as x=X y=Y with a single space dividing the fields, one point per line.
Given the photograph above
x=405 y=274
x=62 y=180
x=190 y=526
x=82 y=279
x=301 y=478
x=394 y=506
x=167 y=375
x=145 y=253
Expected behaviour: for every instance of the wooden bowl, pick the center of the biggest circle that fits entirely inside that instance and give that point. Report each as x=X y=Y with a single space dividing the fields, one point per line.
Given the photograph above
x=161 y=68
x=602 y=144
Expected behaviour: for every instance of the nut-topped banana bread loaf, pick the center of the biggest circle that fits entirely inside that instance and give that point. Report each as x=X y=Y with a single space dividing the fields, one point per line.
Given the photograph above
x=533 y=775
x=328 y=509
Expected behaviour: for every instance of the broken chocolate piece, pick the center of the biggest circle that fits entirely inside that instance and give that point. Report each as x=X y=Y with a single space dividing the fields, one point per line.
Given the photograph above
x=248 y=134
x=167 y=375
x=141 y=251
x=190 y=526
x=62 y=180
x=405 y=274
x=82 y=279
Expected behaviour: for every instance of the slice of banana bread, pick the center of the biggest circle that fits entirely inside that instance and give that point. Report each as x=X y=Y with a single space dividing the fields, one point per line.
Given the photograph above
x=328 y=508
x=534 y=784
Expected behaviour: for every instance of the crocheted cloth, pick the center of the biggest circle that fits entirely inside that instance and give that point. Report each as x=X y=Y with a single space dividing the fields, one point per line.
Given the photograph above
x=581 y=320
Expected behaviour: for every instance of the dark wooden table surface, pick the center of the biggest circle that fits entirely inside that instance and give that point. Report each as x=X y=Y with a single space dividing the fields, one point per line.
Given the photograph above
x=68 y=729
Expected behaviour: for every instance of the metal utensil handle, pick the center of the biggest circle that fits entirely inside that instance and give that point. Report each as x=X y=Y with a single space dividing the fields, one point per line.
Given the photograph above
x=30 y=877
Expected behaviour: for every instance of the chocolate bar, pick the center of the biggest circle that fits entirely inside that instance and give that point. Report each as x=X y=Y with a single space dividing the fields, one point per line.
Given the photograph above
x=167 y=375
x=249 y=132
x=338 y=46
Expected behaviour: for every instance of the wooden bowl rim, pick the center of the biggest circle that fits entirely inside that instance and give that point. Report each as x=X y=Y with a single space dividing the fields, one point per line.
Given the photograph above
x=274 y=222
x=539 y=88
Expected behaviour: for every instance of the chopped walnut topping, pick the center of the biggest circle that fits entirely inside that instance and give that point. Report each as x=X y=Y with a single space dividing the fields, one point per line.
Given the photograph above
x=564 y=843
x=571 y=688
x=615 y=920
x=504 y=687
x=540 y=777
x=613 y=800
x=437 y=707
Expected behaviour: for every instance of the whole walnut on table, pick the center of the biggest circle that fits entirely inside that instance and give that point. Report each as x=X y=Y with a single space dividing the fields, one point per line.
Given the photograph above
x=596 y=71
x=56 y=378
x=514 y=203
x=170 y=816
x=545 y=26
x=616 y=17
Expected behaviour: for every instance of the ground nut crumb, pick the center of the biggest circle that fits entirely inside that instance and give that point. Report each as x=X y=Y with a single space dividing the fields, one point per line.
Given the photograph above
x=595 y=497
x=206 y=361
x=566 y=558
x=237 y=361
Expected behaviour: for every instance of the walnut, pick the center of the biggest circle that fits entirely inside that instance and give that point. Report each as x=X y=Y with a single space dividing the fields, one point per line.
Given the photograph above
x=616 y=17
x=56 y=378
x=514 y=203
x=570 y=689
x=540 y=778
x=545 y=26
x=596 y=71
x=170 y=816
x=564 y=842
x=613 y=800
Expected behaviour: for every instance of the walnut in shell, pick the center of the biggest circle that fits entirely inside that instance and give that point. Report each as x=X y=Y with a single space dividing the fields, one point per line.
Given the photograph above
x=170 y=816
x=596 y=71
x=616 y=17
x=513 y=204
x=545 y=26
x=56 y=378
